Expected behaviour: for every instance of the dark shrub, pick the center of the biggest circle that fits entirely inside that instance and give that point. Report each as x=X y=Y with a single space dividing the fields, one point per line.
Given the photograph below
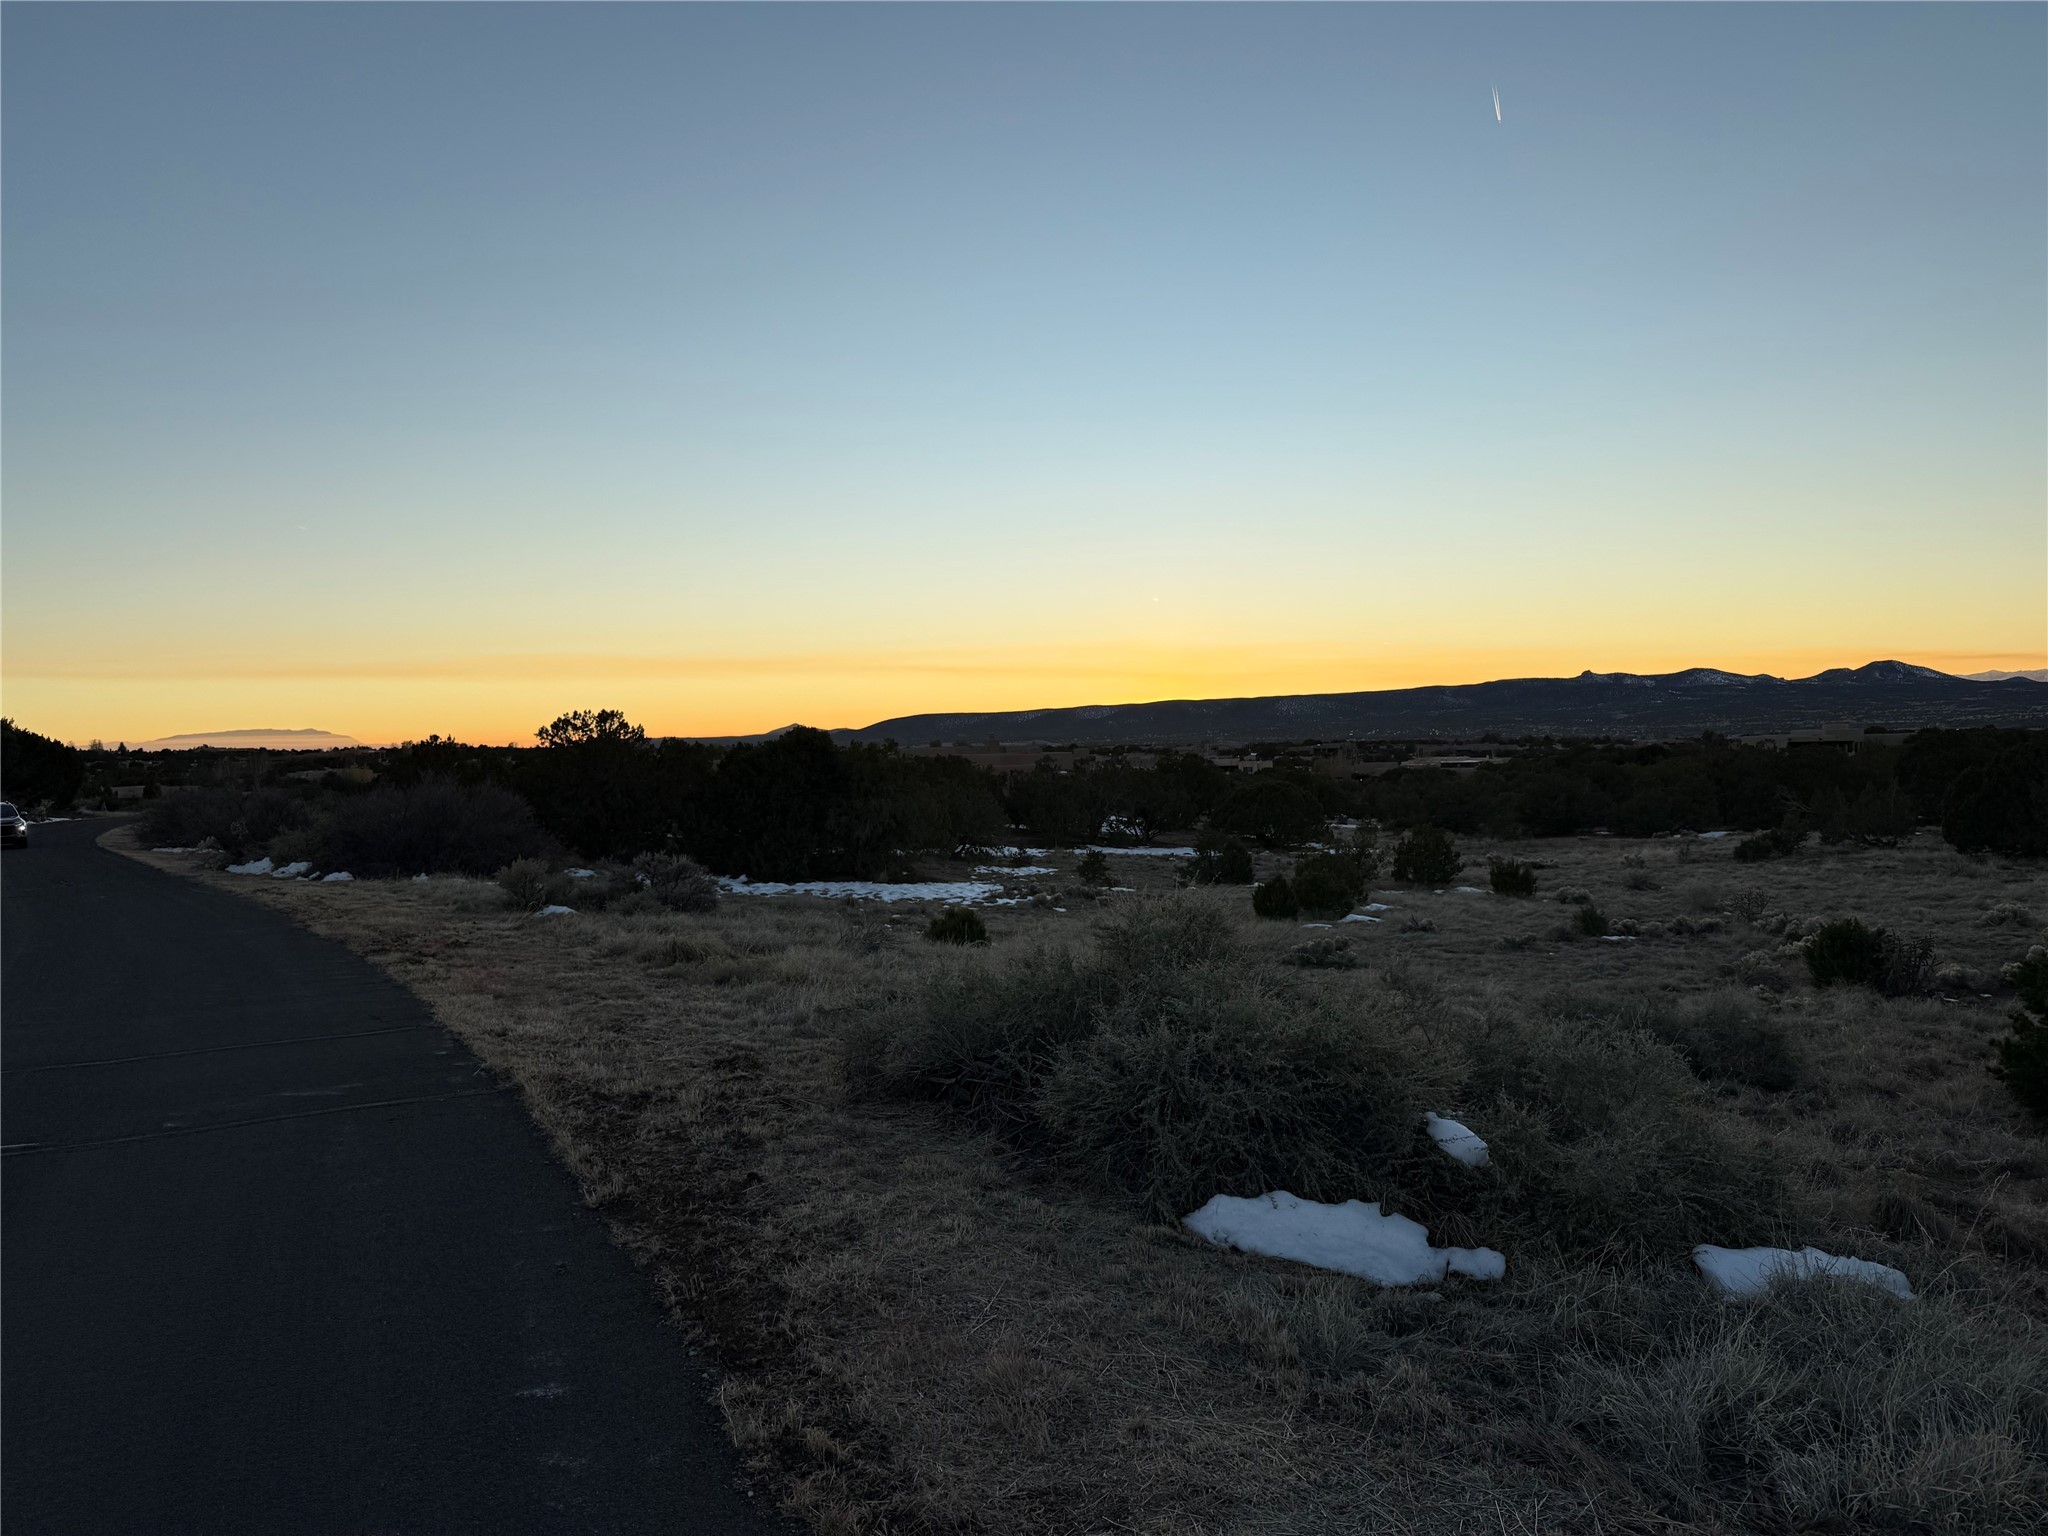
x=1271 y=810
x=2022 y=1063
x=1323 y=954
x=37 y=770
x=679 y=884
x=1908 y=969
x=1221 y=861
x=1223 y=1087
x=2000 y=804
x=1426 y=856
x=243 y=824
x=957 y=925
x=1510 y=878
x=432 y=827
x=1162 y=1066
x=2029 y=978
x=1275 y=898
x=1327 y=885
x=1845 y=952
x=1729 y=1039
x=532 y=884
x=1093 y=868
x=1591 y=921
x=1781 y=841
x=1605 y=1144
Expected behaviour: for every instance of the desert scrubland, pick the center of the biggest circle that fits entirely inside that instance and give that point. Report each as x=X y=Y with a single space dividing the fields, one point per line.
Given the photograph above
x=918 y=1203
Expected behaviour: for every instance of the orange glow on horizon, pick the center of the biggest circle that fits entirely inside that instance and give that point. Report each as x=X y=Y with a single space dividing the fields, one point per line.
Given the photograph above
x=495 y=698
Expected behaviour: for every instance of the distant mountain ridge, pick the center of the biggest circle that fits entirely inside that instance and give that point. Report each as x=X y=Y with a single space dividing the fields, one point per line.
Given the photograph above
x=1893 y=693
x=296 y=739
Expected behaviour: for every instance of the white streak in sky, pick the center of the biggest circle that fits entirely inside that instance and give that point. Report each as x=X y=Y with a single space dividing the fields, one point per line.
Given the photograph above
x=1496 y=104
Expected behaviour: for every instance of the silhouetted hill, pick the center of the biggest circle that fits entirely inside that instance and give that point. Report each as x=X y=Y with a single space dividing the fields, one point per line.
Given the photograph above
x=1592 y=704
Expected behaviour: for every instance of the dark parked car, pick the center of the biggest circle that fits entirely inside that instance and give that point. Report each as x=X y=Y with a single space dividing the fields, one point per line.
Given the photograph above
x=13 y=827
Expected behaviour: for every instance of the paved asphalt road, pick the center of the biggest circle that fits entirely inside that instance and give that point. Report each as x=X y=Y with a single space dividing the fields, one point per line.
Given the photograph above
x=279 y=1258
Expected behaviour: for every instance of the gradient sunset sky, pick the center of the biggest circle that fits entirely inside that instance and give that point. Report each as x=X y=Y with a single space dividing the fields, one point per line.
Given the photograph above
x=397 y=369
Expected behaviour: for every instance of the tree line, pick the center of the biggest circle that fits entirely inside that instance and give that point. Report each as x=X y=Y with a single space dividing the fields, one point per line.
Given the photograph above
x=801 y=806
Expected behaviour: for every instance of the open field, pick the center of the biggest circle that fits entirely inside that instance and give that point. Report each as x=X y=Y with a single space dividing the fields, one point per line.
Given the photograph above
x=923 y=1325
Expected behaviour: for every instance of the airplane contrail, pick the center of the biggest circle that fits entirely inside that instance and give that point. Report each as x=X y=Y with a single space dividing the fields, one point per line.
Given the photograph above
x=1496 y=104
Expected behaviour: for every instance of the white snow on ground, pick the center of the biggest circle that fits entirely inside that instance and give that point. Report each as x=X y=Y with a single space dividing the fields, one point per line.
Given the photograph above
x=555 y=911
x=419 y=879
x=580 y=874
x=1353 y=1237
x=170 y=850
x=1022 y=869
x=1141 y=853
x=1458 y=1142
x=1376 y=906
x=292 y=871
x=957 y=891
x=1748 y=1271
x=1359 y=917
x=261 y=866
x=1619 y=938
x=339 y=874
x=1708 y=837
x=1315 y=925
x=1470 y=890
x=1014 y=853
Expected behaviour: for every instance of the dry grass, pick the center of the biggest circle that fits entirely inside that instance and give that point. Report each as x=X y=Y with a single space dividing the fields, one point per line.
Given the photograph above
x=921 y=1328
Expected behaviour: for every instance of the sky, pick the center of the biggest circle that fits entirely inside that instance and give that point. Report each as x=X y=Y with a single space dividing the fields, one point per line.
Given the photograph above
x=401 y=369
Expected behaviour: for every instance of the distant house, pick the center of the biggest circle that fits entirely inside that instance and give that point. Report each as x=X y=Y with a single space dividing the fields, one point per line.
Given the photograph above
x=1838 y=736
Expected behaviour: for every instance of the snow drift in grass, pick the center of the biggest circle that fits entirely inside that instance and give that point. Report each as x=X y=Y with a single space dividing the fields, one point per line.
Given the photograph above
x=1141 y=853
x=956 y=892
x=553 y=910
x=338 y=875
x=1354 y=1238
x=1457 y=1142
x=1359 y=917
x=1022 y=869
x=261 y=866
x=293 y=870
x=1749 y=1271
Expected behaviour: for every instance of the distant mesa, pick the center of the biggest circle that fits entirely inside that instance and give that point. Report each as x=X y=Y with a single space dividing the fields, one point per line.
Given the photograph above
x=265 y=740
x=1633 y=705
x=2034 y=675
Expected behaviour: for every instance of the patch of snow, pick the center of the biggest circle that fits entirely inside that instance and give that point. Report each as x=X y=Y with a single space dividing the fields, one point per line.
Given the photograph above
x=552 y=910
x=958 y=892
x=1014 y=853
x=1022 y=869
x=1708 y=837
x=293 y=870
x=1354 y=1238
x=1618 y=938
x=1359 y=917
x=1471 y=890
x=170 y=850
x=1315 y=925
x=261 y=866
x=1375 y=906
x=1457 y=1142
x=1749 y=1271
x=1141 y=853
x=580 y=874
x=339 y=874
x=419 y=879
